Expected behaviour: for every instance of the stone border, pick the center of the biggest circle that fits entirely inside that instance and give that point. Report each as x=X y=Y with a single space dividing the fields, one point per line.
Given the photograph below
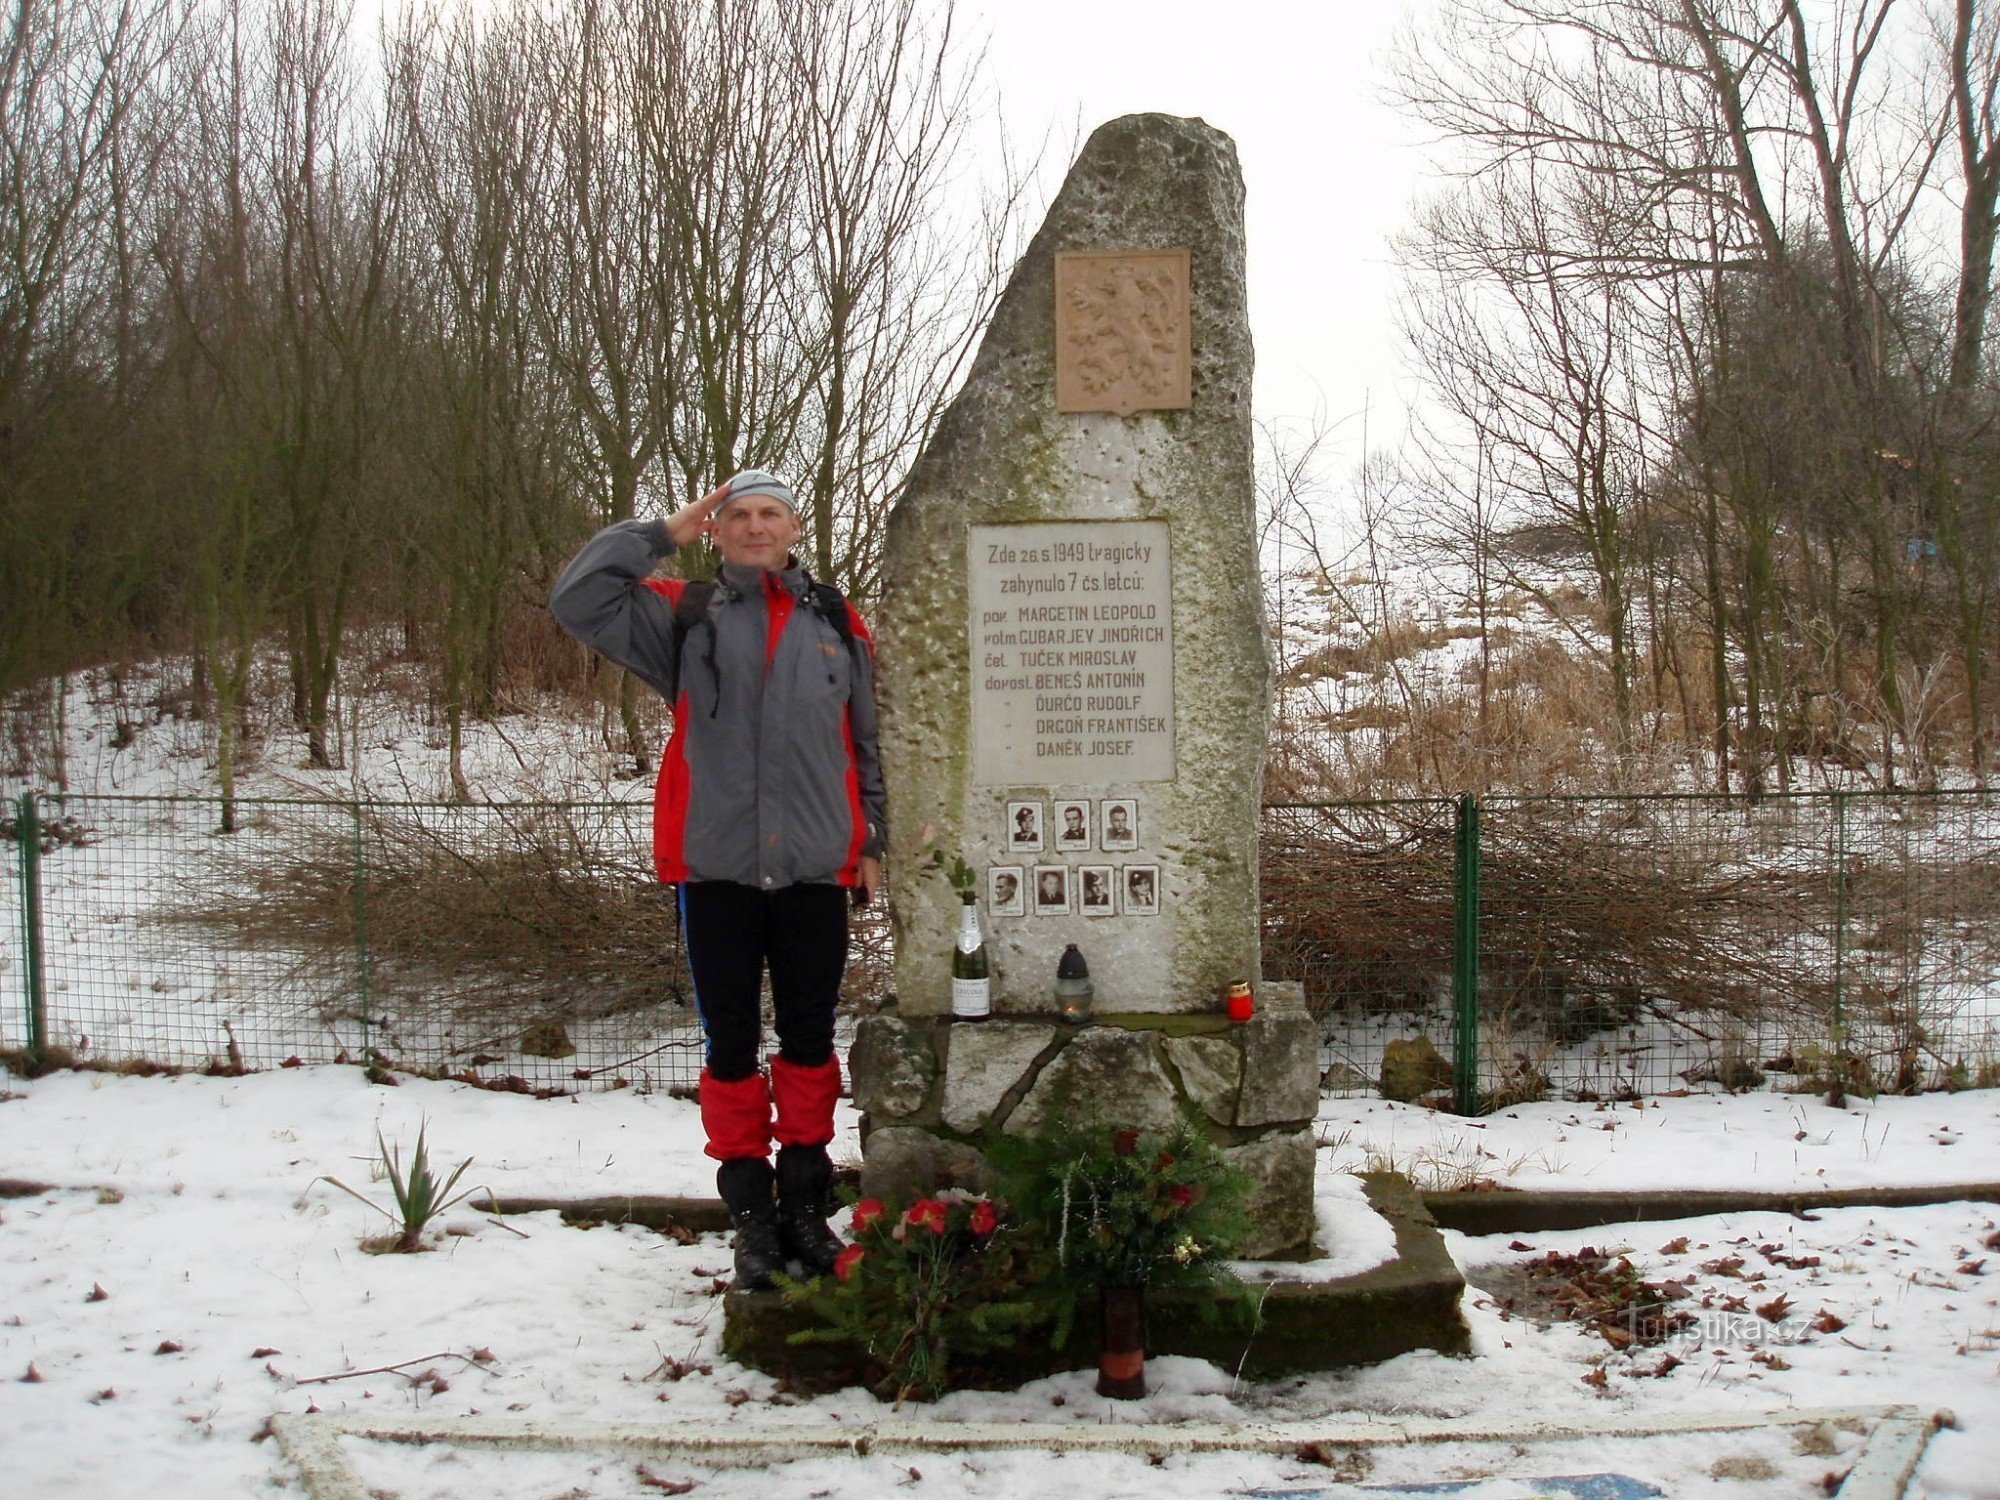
x=1408 y=1303
x=1506 y=1212
x=1881 y=1470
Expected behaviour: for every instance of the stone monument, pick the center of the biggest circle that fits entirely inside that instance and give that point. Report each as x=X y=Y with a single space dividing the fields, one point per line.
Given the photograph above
x=1075 y=693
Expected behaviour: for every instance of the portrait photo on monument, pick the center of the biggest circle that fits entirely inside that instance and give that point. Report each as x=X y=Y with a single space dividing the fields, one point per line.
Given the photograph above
x=1024 y=827
x=1121 y=823
x=1072 y=825
x=1142 y=890
x=1051 y=890
x=1096 y=883
x=1006 y=895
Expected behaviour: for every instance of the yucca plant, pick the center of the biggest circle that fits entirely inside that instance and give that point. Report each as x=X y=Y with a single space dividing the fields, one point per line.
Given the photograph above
x=420 y=1197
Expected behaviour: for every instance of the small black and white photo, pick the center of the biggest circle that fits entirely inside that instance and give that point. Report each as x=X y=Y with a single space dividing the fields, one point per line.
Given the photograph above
x=1051 y=890
x=1121 y=823
x=1142 y=890
x=1072 y=825
x=1024 y=827
x=1096 y=885
x=1005 y=894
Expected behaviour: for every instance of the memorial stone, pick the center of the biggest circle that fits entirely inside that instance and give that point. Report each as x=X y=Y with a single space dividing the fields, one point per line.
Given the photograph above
x=1075 y=690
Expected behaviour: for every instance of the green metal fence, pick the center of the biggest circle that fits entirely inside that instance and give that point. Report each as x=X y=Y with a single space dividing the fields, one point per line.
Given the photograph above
x=1608 y=947
x=1471 y=952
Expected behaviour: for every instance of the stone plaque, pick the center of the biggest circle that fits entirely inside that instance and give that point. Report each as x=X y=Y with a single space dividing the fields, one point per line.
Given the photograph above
x=1122 y=331
x=1072 y=629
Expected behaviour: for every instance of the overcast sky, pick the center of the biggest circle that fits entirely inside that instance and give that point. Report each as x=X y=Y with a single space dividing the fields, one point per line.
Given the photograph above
x=1330 y=169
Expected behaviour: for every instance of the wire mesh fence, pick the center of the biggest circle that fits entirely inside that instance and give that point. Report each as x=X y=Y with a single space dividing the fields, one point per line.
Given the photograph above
x=1622 y=945
x=1636 y=945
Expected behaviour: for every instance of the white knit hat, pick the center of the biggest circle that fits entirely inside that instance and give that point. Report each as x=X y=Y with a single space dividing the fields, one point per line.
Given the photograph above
x=759 y=482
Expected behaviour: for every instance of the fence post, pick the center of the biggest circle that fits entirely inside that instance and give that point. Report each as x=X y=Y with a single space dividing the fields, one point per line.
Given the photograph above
x=1465 y=958
x=361 y=973
x=28 y=828
x=1837 y=1093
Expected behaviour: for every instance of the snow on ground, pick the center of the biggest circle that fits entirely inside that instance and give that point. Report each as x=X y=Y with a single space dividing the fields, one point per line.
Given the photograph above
x=231 y=1282
x=1698 y=1141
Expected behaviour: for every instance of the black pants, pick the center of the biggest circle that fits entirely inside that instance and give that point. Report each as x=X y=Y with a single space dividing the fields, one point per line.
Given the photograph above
x=732 y=932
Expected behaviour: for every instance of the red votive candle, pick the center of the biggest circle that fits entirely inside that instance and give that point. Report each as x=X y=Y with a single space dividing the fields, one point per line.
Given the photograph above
x=1239 y=1004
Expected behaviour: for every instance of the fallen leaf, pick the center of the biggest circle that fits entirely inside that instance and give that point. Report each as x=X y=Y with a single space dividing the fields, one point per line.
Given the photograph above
x=109 y=1393
x=653 y=1481
x=1598 y=1378
x=33 y=1377
x=1676 y=1246
x=481 y=1356
x=1973 y=1267
x=168 y=1346
x=1519 y=1245
x=1826 y=1322
x=97 y=1293
x=735 y=1397
x=1775 y=1310
x=264 y=1351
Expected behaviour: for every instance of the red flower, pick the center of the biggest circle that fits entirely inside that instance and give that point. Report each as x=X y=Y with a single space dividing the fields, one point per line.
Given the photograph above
x=1181 y=1194
x=866 y=1212
x=1125 y=1143
x=845 y=1262
x=983 y=1220
x=926 y=1213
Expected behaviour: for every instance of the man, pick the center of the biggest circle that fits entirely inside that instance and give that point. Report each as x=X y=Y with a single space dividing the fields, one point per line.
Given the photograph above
x=769 y=810
x=1075 y=835
x=1118 y=828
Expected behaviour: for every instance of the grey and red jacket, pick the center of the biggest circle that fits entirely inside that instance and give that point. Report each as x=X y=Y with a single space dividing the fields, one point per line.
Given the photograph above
x=771 y=775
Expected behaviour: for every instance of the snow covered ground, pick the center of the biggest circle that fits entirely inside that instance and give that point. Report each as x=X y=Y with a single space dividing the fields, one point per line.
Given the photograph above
x=188 y=1278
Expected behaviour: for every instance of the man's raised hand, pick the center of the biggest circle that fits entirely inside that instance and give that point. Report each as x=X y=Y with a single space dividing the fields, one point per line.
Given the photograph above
x=697 y=517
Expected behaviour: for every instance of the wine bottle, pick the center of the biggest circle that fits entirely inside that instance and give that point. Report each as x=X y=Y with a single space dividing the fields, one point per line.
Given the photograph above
x=971 y=970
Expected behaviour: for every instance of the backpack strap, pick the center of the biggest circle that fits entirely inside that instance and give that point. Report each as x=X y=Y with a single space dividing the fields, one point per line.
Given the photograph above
x=831 y=606
x=690 y=610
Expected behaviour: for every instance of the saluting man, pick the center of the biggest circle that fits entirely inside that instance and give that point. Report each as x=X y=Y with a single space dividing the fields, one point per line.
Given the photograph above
x=769 y=816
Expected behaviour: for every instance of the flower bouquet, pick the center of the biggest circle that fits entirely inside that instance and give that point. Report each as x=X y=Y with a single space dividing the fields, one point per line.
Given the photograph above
x=1120 y=1210
x=924 y=1290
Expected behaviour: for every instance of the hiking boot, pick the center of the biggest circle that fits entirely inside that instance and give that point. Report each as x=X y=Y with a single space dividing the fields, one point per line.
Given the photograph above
x=745 y=1185
x=804 y=1176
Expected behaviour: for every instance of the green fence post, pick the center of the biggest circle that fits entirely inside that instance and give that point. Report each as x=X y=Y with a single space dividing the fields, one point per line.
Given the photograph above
x=28 y=828
x=1837 y=1095
x=1465 y=959
x=361 y=973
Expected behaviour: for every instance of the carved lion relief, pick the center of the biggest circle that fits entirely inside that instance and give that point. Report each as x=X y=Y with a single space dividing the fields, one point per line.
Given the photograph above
x=1122 y=331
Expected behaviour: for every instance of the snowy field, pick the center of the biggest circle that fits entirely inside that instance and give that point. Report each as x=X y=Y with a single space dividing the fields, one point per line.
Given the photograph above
x=187 y=1279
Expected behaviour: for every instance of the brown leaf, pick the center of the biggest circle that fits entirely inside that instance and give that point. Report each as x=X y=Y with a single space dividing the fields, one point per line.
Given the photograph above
x=97 y=1293
x=653 y=1481
x=1769 y=1360
x=1519 y=1245
x=168 y=1346
x=1972 y=1267
x=735 y=1397
x=264 y=1351
x=1826 y=1322
x=1675 y=1246
x=1728 y=1265
x=33 y=1377
x=1318 y=1453
x=481 y=1356
x=1774 y=1310
x=109 y=1393
x=1598 y=1378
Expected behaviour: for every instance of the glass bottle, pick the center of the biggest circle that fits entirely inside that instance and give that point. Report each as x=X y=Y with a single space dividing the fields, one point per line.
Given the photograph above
x=971 y=968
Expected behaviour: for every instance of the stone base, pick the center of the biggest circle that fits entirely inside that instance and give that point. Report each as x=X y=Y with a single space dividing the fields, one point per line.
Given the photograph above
x=1406 y=1304
x=934 y=1092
